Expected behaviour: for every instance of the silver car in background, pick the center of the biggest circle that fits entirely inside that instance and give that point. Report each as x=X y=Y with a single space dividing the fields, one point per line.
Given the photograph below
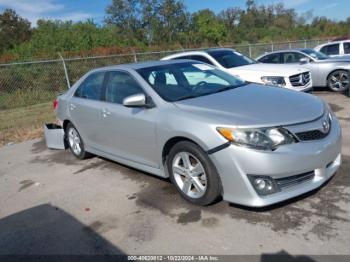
x=335 y=48
x=211 y=133
x=325 y=71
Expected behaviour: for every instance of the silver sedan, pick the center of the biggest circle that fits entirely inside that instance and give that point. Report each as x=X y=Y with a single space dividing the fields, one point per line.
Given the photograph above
x=212 y=134
x=325 y=71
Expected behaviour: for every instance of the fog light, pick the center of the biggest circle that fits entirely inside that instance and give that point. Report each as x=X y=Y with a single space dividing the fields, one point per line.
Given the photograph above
x=263 y=185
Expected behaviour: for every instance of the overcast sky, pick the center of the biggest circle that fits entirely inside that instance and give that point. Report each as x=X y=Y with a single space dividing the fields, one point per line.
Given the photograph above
x=83 y=9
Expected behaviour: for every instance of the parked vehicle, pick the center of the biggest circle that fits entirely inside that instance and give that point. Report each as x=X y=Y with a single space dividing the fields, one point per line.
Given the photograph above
x=236 y=64
x=211 y=133
x=325 y=71
x=335 y=48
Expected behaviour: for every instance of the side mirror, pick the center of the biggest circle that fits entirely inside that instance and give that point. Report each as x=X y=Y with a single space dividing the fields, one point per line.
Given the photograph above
x=304 y=60
x=138 y=100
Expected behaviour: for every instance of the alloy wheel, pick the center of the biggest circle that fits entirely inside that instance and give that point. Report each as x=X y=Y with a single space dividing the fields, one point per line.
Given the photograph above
x=74 y=141
x=189 y=174
x=339 y=81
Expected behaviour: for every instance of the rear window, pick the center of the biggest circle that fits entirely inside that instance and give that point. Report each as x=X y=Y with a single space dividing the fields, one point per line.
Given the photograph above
x=330 y=49
x=347 y=48
x=91 y=88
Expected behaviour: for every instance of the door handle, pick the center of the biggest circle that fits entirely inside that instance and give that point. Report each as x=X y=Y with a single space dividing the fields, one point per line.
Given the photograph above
x=105 y=113
x=72 y=107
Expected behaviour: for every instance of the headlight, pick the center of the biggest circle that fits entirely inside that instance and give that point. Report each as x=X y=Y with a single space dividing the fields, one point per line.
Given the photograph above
x=273 y=80
x=260 y=138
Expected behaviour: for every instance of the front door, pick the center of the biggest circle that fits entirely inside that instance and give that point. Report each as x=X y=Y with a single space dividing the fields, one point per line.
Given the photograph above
x=129 y=133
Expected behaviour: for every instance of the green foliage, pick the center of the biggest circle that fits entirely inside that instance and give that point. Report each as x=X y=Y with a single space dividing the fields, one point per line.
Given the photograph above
x=13 y=30
x=164 y=24
x=208 y=26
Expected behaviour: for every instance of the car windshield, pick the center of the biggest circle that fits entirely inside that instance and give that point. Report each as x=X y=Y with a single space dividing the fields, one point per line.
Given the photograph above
x=179 y=81
x=315 y=54
x=230 y=58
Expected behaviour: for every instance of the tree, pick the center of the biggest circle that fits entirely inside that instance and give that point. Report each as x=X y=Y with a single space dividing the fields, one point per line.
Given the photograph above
x=125 y=14
x=14 y=30
x=208 y=27
x=172 y=20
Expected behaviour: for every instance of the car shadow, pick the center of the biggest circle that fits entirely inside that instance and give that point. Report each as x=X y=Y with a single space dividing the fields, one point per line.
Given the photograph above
x=48 y=230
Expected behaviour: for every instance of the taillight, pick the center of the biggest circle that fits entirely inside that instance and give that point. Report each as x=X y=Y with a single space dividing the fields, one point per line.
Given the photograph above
x=55 y=104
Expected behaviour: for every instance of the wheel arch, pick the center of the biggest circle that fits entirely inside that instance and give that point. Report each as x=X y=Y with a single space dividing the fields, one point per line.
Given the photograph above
x=172 y=142
x=65 y=124
x=334 y=70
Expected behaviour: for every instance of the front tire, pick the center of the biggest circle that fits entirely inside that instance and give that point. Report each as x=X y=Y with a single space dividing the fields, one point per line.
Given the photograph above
x=338 y=81
x=193 y=174
x=75 y=142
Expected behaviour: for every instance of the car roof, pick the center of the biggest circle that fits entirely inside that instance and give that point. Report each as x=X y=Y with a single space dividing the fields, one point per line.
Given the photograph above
x=282 y=51
x=336 y=42
x=201 y=51
x=288 y=50
x=140 y=65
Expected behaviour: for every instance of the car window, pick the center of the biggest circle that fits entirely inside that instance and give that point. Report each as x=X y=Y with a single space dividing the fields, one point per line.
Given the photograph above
x=271 y=59
x=119 y=86
x=314 y=54
x=91 y=88
x=291 y=57
x=201 y=59
x=195 y=77
x=174 y=82
x=182 y=57
x=230 y=58
x=169 y=78
x=347 y=48
x=330 y=49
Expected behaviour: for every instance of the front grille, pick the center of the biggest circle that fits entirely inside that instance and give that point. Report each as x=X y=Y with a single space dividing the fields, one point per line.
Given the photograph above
x=294 y=180
x=300 y=79
x=311 y=135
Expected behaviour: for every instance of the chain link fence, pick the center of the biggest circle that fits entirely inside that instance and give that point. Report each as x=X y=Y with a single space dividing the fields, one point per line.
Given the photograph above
x=27 y=89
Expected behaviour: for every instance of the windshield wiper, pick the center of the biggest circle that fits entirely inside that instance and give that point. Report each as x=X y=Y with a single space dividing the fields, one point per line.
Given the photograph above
x=228 y=88
x=186 y=97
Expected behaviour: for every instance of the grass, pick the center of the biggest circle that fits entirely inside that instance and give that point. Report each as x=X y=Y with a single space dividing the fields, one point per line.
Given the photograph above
x=20 y=124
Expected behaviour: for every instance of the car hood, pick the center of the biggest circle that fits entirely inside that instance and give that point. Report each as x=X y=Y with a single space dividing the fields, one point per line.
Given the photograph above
x=269 y=69
x=254 y=105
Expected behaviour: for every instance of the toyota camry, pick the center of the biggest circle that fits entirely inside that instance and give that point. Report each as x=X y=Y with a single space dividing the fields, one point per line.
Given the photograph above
x=212 y=134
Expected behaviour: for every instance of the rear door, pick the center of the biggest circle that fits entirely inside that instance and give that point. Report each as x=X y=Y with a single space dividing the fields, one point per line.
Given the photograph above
x=85 y=107
x=129 y=133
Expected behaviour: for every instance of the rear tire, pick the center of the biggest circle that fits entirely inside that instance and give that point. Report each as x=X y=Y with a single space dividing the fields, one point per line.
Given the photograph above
x=193 y=174
x=338 y=81
x=75 y=142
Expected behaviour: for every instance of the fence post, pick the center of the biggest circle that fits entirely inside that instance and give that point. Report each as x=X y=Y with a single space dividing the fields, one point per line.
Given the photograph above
x=305 y=43
x=250 y=50
x=272 y=47
x=135 y=56
x=290 y=44
x=65 y=70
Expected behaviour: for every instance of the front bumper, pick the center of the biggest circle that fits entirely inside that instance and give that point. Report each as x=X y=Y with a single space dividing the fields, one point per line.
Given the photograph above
x=306 y=88
x=234 y=163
